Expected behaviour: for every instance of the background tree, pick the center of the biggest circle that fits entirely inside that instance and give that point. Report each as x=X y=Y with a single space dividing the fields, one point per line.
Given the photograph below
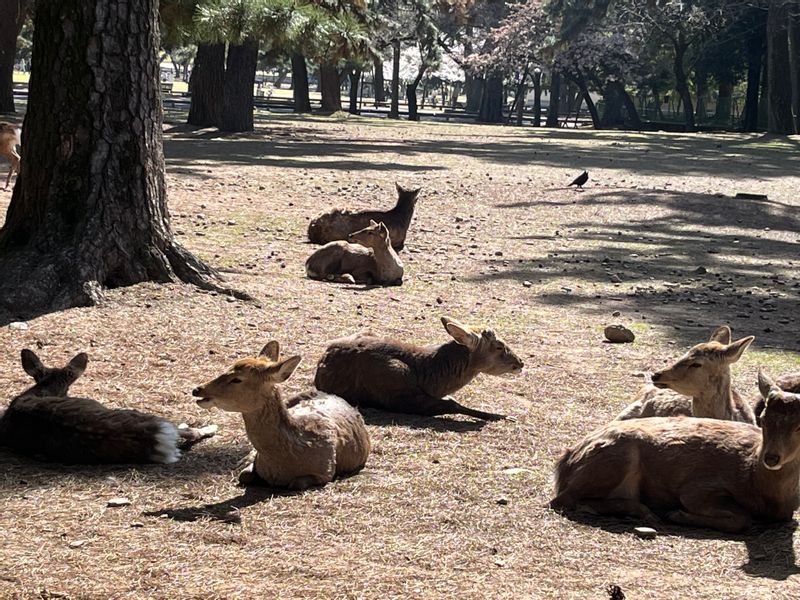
x=89 y=209
x=12 y=17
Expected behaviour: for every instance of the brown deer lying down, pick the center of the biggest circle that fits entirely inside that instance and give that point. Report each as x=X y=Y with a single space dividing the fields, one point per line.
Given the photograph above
x=339 y=223
x=369 y=259
x=9 y=140
x=46 y=423
x=703 y=374
x=305 y=442
x=701 y=472
x=367 y=370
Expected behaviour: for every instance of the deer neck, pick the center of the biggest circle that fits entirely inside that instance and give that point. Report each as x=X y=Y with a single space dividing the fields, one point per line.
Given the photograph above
x=448 y=368
x=386 y=258
x=404 y=206
x=269 y=425
x=781 y=487
x=716 y=399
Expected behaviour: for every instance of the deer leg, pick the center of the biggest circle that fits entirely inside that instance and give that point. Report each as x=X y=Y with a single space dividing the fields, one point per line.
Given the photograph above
x=431 y=406
x=191 y=435
x=628 y=507
x=8 y=179
x=716 y=513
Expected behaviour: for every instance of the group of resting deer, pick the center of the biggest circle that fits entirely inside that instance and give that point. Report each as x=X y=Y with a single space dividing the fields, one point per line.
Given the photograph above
x=305 y=441
x=690 y=450
x=361 y=247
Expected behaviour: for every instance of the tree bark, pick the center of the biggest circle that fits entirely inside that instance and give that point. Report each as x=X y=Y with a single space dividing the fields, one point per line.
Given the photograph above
x=581 y=83
x=722 y=114
x=394 y=109
x=237 y=96
x=537 y=99
x=555 y=99
x=701 y=85
x=411 y=94
x=12 y=16
x=475 y=91
x=377 y=82
x=206 y=85
x=330 y=88
x=302 y=101
x=89 y=210
x=755 y=57
x=491 y=110
x=794 y=53
x=779 y=111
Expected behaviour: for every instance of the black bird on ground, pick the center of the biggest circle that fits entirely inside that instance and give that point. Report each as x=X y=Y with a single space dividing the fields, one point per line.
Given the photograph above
x=580 y=180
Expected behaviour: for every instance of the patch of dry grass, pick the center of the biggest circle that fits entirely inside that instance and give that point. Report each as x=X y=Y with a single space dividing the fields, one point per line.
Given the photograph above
x=434 y=515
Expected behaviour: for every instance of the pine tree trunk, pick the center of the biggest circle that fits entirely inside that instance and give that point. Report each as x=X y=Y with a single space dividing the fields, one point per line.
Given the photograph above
x=394 y=109
x=779 y=111
x=12 y=16
x=377 y=82
x=302 y=101
x=89 y=209
x=755 y=57
x=206 y=85
x=237 y=91
x=555 y=99
x=330 y=88
x=491 y=110
x=411 y=94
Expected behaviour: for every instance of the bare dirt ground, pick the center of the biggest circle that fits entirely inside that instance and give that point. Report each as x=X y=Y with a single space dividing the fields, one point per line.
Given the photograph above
x=497 y=239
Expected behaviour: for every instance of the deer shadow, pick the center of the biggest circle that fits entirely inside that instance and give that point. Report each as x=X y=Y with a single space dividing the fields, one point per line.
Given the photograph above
x=378 y=417
x=770 y=546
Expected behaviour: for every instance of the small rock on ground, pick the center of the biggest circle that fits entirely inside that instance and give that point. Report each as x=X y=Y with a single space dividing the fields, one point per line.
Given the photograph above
x=645 y=533
x=618 y=334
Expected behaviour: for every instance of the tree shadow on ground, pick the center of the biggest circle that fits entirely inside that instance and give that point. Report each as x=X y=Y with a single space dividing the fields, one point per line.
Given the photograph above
x=22 y=474
x=770 y=547
x=737 y=156
x=710 y=260
x=384 y=418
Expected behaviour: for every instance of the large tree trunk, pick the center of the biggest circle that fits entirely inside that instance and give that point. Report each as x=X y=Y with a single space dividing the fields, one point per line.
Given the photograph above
x=377 y=82
x=794 y=52
x=779 y=111
x=475 y=91
x=206 y=84
x=394 y=109
x=555 y=99
x=240 y=77
x=302 y=101
x=491 y=110
x=723 y=113
x=537 y=98
x=411 y=94
x=89 y=209
x=755 y=57
x=329 y=86
x=12 y=16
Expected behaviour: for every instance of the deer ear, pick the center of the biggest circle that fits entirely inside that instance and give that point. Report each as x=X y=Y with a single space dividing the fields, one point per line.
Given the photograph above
x=734 y=350
x=78 y=364
x=461 y=333
x=372 y=223
x=31 y=364
x=398 y=187
x=765 y=384
x=285 y=368
x=722 y=335
x=271 y=351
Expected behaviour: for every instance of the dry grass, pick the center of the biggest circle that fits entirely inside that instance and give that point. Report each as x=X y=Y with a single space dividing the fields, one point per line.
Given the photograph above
x=433 y=515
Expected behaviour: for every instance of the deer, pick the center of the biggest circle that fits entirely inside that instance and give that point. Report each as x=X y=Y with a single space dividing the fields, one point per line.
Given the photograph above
x=339 y=223
x=367 y=257
x=697 y=472
x=10 y=136
x=45 y=422
x=305 y=442
x=367 y=370
x=789 y=382
x=698 y=384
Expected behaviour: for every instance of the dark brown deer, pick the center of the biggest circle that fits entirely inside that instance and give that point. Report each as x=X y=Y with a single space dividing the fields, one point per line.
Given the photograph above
x=698 y=472
x=44 y=422
x=9 y=140
x=340 y=223
x=698 y=384
x=369 y=259
x=367 y=370
x=790 y=382
x=304 y=442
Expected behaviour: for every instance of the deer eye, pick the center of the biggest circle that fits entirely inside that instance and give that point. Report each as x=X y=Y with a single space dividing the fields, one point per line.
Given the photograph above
x=235 y=380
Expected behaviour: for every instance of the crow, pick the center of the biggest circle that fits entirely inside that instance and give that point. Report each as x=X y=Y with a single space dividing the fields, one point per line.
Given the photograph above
x=580 y=180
